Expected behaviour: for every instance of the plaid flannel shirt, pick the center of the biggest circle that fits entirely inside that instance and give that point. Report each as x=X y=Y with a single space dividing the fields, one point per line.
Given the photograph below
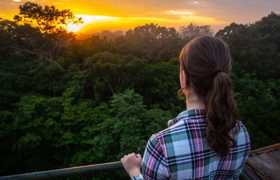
x=181 y=152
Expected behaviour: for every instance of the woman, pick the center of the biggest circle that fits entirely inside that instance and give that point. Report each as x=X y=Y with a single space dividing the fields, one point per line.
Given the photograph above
x=206 y=141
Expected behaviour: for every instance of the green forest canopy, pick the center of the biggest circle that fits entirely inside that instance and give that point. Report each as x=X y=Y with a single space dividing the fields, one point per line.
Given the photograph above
x=65 y=101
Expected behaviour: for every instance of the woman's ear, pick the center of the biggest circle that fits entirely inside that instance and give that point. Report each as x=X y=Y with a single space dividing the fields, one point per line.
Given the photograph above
x=183 y=82
x=183 y=79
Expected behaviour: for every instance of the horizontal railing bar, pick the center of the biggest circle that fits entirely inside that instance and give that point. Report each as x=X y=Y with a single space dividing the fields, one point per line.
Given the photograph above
x=65 y=171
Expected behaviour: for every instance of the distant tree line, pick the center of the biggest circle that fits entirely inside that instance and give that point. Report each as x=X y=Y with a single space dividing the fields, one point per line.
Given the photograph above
x=65 y=101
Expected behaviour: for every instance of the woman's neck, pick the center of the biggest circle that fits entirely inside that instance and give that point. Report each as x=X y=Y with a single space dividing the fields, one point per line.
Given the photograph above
x=194 y=102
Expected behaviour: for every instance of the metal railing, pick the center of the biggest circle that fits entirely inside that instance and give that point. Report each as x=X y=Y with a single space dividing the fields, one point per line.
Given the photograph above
x=89 y=169
x=77 y=170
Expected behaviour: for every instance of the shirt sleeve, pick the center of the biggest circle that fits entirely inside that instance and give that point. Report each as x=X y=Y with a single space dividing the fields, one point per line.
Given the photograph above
x=154 y=164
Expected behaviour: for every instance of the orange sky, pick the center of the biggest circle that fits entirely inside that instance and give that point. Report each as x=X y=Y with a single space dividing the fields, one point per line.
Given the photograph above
x=124 y=14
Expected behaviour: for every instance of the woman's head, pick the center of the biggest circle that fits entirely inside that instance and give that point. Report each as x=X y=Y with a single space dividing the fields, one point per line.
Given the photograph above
x=205 y=67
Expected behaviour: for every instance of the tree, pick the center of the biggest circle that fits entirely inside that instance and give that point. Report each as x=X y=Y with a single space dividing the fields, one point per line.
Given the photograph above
x=38 y=32
x=48 y=19
x=150 y=41
x=191 y=31
x=255 y=47
x=52 y=23
x=70 y=130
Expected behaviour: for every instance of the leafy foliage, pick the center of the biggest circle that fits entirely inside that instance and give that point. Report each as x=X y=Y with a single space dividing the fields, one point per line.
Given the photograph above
x=47 y=19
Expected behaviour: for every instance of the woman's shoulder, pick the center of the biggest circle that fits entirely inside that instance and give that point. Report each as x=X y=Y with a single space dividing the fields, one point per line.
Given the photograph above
x=182 y=114
x=173 y=125
x=242 y=136
x=173 y=121
x=177 y=125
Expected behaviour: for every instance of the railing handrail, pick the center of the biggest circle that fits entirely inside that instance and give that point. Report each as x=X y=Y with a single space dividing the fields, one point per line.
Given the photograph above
x=85 y=169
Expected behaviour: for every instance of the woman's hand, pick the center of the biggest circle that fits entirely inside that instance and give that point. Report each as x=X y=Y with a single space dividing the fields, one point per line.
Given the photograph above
x=132 y=163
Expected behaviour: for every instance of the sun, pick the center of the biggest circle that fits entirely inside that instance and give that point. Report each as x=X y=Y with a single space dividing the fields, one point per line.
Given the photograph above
x=87 y=19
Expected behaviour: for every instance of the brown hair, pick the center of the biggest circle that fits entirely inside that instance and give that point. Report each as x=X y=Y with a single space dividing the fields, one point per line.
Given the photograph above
x=207 y=64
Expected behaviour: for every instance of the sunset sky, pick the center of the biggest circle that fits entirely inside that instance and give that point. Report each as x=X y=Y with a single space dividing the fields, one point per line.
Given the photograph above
x=124 y=14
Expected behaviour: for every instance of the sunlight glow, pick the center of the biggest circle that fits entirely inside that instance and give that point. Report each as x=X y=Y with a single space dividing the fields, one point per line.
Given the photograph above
x=88 y=19
x=95 y=23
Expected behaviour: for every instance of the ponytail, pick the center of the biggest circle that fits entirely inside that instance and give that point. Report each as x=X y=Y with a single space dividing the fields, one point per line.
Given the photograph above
x=221 y=114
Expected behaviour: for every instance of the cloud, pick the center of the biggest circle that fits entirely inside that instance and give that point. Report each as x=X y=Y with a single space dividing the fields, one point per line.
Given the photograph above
x=195 y=2
x=189 y=16
x=179 y=12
